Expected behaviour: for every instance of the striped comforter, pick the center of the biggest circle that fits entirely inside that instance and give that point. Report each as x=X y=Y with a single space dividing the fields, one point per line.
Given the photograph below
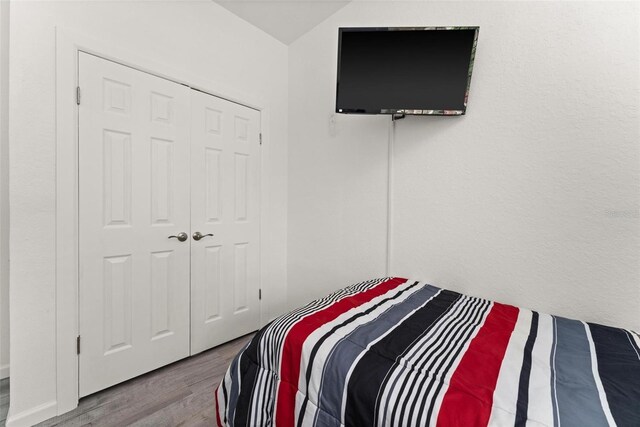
x=397 y=352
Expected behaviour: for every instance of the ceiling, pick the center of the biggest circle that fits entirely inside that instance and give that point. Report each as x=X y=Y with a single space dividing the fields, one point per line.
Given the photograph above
x=286 y=20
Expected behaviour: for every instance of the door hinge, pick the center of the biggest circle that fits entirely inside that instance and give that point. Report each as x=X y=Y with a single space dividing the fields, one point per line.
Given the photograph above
x=260 y=138
x=78 y=95
x=78 y=345
x=259 y=294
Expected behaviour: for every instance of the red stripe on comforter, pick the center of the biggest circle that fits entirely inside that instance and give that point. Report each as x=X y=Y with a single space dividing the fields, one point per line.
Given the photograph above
x=469 y=398
x=290 y=367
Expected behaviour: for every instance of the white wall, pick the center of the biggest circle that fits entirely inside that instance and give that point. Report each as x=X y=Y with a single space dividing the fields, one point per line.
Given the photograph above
x=532 y=198
x=4 y=189
x=201 y=38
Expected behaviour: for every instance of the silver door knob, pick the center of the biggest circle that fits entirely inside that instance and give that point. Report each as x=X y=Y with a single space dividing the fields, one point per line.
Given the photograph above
x=180 y=236
x=198 y=235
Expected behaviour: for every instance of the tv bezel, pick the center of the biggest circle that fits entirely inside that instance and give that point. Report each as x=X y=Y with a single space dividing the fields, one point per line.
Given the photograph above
x=404 y=111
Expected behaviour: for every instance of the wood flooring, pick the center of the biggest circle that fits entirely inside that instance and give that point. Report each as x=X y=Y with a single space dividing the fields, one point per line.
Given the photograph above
x=4 y=400
x=180 y=394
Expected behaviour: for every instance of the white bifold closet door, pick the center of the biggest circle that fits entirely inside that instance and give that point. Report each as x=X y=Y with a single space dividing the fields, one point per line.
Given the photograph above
x=157 y=159
x=134 y=192
x=224 y=202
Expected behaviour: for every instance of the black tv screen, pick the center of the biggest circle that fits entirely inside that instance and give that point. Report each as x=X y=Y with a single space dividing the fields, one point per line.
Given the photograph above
x=416 y=70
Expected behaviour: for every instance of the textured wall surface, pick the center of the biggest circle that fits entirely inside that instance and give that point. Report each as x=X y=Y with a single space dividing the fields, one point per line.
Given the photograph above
x=532 y=198
x=199 y=37
x=4 y=189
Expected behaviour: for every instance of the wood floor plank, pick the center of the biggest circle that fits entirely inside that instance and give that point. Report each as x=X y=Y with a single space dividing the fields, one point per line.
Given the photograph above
x=4 y=400
x=180 y=394
x=196 y=409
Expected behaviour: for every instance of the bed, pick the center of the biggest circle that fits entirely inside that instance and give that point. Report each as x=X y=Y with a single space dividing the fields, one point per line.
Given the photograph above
x=398 y=352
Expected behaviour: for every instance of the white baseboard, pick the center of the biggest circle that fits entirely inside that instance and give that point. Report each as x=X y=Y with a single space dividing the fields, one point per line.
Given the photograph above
x=32 y=416
x=4 y=371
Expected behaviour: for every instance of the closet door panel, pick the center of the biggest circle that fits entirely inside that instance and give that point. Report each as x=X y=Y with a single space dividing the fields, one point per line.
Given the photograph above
x=133 y=194
x=224 y=203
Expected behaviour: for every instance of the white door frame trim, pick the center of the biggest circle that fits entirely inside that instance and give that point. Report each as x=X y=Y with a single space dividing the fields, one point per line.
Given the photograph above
x=68 y=44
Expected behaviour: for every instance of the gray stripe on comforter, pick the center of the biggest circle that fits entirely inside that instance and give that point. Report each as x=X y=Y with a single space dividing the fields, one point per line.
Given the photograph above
x=577 y=394
x=348 y=349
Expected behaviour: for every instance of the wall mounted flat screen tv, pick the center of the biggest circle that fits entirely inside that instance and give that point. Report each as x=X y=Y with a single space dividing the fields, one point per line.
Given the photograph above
x=405 y=70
